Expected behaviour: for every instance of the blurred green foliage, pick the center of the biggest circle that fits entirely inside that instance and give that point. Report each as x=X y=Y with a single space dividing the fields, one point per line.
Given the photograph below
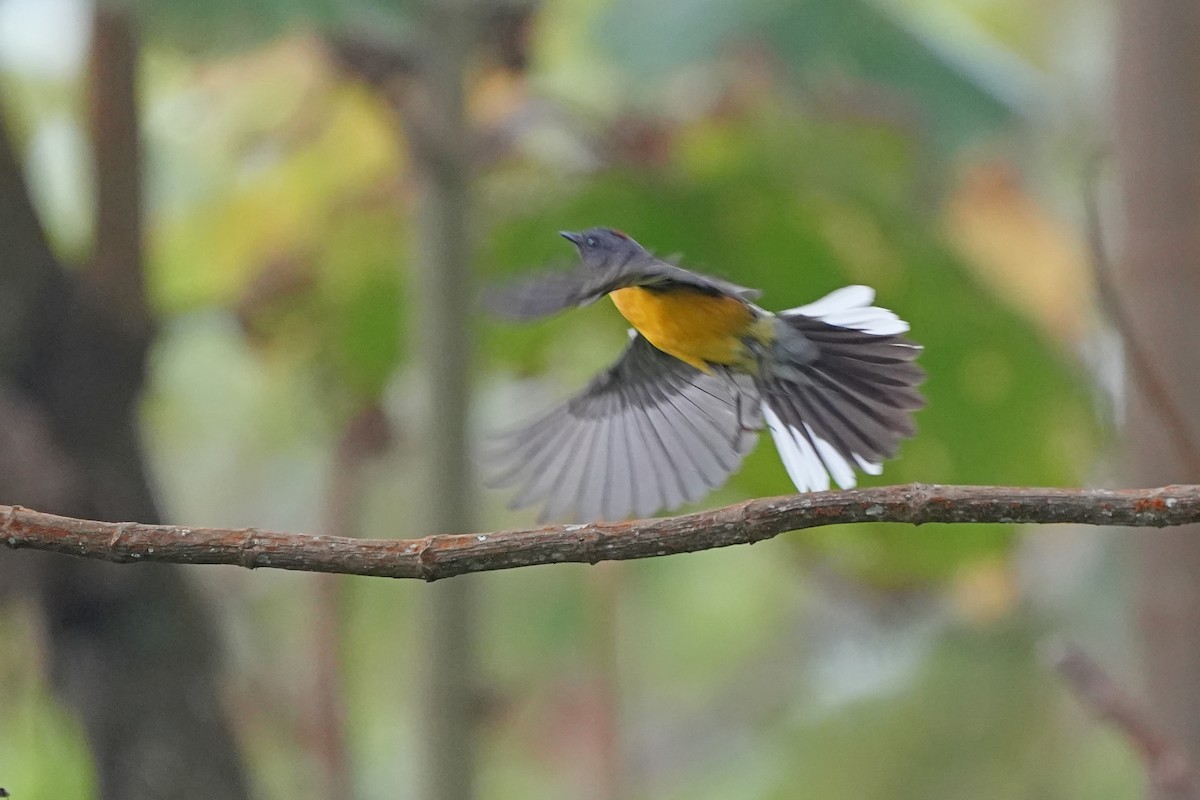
x=827 y=664
x=890 y=68
x=214 y=27
x=43 y=752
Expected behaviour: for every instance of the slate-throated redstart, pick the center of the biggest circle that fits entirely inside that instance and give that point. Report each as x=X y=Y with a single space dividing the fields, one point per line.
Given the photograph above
x=674 y=416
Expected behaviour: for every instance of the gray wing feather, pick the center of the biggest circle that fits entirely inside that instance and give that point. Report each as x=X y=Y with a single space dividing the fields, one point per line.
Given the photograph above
x=548 y=293
x=666 y=273
x=648 y=434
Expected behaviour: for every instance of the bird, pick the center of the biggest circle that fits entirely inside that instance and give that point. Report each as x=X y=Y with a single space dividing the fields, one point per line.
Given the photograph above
x=834 y=381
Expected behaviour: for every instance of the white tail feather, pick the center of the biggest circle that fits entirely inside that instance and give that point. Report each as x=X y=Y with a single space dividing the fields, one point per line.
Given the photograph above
x=850 y=307
x=809 y=468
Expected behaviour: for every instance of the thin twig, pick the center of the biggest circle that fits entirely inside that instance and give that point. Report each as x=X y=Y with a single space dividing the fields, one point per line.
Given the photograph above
x=435 y=557
x=366 y=435
x=1164 y=762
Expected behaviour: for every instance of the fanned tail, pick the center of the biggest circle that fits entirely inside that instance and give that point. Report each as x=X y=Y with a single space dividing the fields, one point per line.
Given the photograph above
x=839 y=388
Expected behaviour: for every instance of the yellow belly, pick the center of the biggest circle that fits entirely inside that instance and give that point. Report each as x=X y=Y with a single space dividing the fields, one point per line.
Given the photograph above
x=697 y=328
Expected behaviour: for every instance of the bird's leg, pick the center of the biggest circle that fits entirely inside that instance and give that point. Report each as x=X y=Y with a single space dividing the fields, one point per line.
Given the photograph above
x=741 y=428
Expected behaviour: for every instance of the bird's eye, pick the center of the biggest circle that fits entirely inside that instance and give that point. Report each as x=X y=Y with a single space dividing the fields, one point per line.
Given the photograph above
x=590 y=241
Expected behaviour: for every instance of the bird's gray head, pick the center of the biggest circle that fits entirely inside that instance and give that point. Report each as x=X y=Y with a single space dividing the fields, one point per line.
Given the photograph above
x=603 y=247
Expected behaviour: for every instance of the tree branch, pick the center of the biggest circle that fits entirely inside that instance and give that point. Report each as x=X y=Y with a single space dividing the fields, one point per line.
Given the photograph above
x=435 y=557
x=1165 y=763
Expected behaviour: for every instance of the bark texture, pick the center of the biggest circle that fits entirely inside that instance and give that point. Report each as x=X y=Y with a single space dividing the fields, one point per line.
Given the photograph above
x=445 y=555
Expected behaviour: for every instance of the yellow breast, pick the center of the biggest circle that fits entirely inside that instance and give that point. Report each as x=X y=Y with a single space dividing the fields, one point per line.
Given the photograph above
x=697 y=328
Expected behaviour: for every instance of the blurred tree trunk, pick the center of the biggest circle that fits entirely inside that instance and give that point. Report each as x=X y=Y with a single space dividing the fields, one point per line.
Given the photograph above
x=440 y=143
x=131 y=651
x=1158 y=152
x=610 y=780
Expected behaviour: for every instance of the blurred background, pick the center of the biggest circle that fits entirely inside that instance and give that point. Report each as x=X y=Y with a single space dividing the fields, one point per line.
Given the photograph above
x=240 y=245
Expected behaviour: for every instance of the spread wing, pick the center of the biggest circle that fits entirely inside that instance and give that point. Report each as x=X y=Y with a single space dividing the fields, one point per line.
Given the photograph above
x=650 y=433
x=548 y=293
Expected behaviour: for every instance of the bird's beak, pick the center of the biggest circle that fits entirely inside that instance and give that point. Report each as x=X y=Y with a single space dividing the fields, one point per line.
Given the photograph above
x=573 y=238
